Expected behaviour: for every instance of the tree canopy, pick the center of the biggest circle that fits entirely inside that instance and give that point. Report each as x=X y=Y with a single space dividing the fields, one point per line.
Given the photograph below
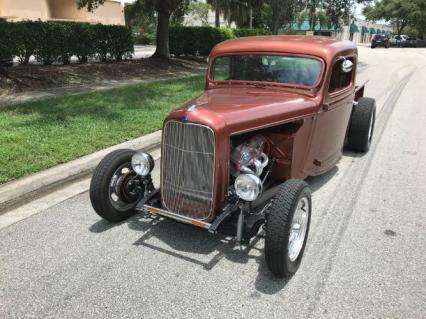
x=163 y=9
x=401 y=13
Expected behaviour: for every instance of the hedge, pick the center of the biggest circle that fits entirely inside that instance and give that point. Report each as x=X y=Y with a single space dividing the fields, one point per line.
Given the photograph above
x=201 y=40
x=58 y=41
x=239 y=33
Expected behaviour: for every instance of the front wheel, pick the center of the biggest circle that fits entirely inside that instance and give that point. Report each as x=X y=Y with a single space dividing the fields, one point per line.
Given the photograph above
x=287 y=226
x=115 y=188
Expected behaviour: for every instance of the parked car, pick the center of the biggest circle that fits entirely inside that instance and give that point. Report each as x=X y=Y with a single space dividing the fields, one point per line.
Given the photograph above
x=380 y=40
x=394 y=40
x=398 y=40
x=275 y=110
x=6 y=61
x=410 y=42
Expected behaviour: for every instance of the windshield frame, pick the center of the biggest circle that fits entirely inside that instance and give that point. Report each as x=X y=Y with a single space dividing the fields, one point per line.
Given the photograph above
x=266 y=83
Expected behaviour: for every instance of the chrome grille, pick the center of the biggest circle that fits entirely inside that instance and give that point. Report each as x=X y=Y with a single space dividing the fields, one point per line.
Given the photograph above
x=188 y=169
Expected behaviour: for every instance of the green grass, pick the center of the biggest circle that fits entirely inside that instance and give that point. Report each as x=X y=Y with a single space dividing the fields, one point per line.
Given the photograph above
x=38 y=135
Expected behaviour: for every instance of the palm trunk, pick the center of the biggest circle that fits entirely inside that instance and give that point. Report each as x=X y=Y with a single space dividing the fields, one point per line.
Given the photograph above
x=216 y=14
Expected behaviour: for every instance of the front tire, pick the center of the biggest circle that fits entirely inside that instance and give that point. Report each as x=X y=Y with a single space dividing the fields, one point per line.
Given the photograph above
x=287 y=226
x=114 y=190
x=361 y=125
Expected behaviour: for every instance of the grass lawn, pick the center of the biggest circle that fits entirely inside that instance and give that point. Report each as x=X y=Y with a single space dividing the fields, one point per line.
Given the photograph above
x=38 y=135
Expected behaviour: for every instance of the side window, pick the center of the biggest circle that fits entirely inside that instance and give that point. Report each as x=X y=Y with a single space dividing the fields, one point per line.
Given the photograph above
x=222 y=69
x=339 y=78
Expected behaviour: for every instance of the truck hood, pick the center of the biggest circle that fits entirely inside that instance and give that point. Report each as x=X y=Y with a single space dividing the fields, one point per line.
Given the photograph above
x=239 y=110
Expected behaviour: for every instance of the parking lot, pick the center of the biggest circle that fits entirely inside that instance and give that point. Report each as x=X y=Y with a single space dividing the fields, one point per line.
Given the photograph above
x=365 y=256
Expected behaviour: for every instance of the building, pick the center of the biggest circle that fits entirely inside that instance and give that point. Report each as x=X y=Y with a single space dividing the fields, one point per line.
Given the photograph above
x=361 y=31
x=112 y=12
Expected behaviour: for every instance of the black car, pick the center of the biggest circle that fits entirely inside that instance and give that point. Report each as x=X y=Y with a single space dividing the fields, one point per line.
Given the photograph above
x=410 y=42
x=380 y=40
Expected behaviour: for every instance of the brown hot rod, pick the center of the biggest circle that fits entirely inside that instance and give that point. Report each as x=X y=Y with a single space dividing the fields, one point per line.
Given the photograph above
x=275 y=110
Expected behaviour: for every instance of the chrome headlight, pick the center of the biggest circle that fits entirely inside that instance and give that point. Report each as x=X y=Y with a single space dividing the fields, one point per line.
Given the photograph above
x=142 y=163
x=248 y=186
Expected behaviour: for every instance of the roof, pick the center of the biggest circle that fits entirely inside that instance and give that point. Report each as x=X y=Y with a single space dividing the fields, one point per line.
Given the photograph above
x=324 y=47
x=306 y=26
x=354 y=28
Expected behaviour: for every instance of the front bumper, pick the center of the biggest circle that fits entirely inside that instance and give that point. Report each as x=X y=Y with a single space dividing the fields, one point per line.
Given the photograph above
x=150 y=204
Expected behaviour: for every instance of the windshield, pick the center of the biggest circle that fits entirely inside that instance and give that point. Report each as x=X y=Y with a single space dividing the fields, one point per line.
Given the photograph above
x=267 y=68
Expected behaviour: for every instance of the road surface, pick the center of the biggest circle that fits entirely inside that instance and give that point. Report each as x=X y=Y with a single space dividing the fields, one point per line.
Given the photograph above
x=365 y=256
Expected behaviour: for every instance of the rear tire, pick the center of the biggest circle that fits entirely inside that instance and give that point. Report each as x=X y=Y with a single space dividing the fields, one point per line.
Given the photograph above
x=283 y=249
x=361 y=125
x=109 y=192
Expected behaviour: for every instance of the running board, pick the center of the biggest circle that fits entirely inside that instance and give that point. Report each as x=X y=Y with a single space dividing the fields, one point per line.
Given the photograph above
x=183 y=219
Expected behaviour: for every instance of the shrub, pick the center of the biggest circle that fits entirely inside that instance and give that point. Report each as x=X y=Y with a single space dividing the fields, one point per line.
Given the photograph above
x=49 y=46
x=66 y=41
x=26 y=39
x=201 y=40
x=101 y=41
x=197 y=40
x=121 y=42
x=82 y=38
x=7 y=45
x=250 y=32
x=58 y=41
x=112 y=41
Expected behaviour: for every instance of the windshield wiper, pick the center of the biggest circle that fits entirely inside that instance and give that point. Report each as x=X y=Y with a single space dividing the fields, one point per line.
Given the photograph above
x=257 y=85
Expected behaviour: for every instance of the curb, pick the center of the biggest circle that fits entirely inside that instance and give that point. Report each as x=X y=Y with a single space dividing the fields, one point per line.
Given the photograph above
x=15 y=193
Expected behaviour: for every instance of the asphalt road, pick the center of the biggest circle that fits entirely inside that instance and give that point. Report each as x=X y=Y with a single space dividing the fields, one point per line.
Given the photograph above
x=365 y=256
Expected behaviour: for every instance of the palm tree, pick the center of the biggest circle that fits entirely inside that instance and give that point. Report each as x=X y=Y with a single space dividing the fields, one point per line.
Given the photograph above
x=238 y=11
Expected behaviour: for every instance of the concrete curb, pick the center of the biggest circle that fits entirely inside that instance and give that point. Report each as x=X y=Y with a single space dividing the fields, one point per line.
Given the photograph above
x=15 y=193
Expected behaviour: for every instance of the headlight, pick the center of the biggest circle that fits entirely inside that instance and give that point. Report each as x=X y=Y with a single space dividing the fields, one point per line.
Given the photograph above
x=248 y=186
x=142 y=163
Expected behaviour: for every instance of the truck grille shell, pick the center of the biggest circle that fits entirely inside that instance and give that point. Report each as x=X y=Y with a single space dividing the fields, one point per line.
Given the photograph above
x=188 y=169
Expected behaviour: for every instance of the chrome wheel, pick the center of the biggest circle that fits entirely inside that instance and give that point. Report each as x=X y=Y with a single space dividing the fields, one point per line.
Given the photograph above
x=299 y=225
x=124 y=188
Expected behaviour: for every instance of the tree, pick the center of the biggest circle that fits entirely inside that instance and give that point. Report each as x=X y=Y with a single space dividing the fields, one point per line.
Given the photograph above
x=216 y=5
x=238 y=11
x=401 y=13
x=138 y=19
x=282 y=12
x=200 y=10
x=163 y=9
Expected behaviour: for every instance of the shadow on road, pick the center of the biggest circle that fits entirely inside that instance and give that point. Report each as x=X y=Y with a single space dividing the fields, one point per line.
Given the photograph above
x=316 y=182
x=182 y=241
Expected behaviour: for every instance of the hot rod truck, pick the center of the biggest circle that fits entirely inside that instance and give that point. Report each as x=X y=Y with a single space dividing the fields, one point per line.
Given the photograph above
x=275 y=110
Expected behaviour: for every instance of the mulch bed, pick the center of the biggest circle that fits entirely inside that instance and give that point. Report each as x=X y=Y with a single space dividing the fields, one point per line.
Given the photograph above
x=37 y=77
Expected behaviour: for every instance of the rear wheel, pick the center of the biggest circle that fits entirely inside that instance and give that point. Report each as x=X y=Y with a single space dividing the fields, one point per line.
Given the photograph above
x=361 y=125
x=115 y=188
x=287 y=227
